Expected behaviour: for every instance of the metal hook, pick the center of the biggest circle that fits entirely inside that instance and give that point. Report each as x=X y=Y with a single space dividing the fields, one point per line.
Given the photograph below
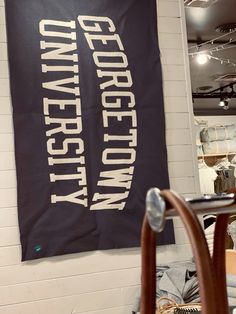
x=155 y=209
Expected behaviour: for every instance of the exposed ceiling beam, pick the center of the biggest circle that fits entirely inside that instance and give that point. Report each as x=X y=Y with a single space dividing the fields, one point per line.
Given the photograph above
x=217 y=93
x=209 y=96
x=220 y=42
x=214 y=112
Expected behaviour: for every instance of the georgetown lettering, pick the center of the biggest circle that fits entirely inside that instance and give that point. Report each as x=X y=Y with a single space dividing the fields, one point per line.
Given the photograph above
x=118 y=111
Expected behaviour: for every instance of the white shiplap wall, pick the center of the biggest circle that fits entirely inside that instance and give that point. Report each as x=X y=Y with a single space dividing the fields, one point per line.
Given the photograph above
x=98 y=282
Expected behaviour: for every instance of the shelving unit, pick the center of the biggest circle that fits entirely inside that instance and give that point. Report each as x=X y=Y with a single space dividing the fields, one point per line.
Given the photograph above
x=217 y=155
x=211 y=159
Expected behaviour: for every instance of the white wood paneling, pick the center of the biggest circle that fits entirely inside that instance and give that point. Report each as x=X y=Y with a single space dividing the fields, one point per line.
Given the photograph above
x=173 y=72
x=7 y=161
x=180 y=153
x=190 y=100
x=3 y=35
x=8 y=179
x=178 y=223
x=177 y=121
x=113 y=310
x=183 y=185
x=82 y=303
x=4 y=69
x=6 y=124
x=175 y=104
x=181 y=169
x=9 y=236
x=9 y=217
x=94 y=282
x=6 y=143
x=5 y=107
x=7 y=197
x=4 y=88
x=61 y=287
x=174 y=88
x=95 y=262
x=10 y=256
x=2 y=16
x=170 y=41
x=181 y=236
x=169 y=25
x=171 y=56
x=168 y=9
x=3 y=51
x=68 y=267
x=178 y=137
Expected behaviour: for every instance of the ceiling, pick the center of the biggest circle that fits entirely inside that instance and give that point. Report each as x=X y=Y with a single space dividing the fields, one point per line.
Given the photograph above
x=201 y=25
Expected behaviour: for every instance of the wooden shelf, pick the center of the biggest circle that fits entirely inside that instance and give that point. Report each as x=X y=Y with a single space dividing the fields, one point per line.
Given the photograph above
x=216 y=155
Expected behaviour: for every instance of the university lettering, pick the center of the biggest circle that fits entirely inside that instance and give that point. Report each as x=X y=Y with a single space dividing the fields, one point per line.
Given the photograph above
x=70 y=126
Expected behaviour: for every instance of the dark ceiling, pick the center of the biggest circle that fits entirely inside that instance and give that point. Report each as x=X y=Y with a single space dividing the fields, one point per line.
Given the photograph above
x=201 y=25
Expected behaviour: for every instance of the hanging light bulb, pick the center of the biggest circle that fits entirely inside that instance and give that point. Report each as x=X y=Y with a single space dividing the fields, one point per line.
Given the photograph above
x=225 y=101
x=202 y=58
x=221 y=103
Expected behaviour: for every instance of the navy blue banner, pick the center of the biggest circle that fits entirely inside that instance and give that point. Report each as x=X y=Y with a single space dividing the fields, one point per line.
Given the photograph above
x=89 y=122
